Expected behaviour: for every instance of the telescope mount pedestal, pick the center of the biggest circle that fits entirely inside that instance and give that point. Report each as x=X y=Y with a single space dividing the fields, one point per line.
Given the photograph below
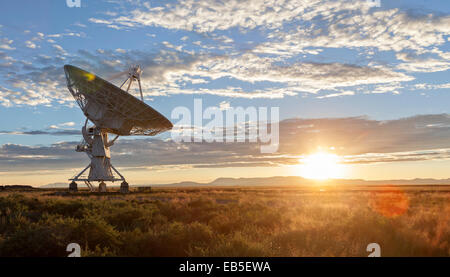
x=96 y=145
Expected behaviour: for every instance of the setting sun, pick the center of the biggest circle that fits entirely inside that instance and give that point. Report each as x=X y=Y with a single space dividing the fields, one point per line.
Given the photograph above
x=321 y=166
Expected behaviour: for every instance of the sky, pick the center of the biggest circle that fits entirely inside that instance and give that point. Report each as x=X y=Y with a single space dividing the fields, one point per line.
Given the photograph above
x=368 y=83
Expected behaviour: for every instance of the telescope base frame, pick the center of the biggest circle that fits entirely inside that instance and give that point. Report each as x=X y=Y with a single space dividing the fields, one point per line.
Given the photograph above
x=73 y=187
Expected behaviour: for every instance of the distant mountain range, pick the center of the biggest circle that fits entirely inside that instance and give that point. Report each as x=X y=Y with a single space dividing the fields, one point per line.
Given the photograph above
x=16 y=187
x=299 y=181
x=285 y=181
x=59 y=185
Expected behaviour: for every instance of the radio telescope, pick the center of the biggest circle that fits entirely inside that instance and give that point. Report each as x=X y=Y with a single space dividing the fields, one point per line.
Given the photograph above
x=112 y=111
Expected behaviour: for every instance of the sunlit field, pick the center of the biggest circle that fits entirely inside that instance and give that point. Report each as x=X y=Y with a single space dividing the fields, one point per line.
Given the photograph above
x=229 y=221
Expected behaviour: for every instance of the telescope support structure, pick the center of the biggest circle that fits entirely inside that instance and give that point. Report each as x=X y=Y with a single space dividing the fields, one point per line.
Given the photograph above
x=96 y=145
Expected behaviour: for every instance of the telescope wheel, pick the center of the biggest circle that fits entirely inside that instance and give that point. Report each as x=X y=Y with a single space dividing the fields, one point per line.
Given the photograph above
x=73 y=187
x=124 y=187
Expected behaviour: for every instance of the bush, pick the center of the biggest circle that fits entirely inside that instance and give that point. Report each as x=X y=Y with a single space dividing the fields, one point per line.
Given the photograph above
x=189 y=222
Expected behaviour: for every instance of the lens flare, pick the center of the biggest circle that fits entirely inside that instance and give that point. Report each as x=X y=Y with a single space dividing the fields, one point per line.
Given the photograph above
x=390 y=202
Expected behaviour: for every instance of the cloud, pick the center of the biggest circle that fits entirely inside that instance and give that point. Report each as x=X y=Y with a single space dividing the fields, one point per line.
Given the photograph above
x=21 y=157
x=30 y=44
x=67 y=124
x=59 y=49
x=166 y=71
x=6 y=44
x=224 y=105
x=173 y=71
x=330 y=24
x=407 y=156
x=359 y=135
x=207 y=16
x=32 y=85
x=78 y=24
x=292 y=52
x=389 y=88
x=306 y=76
x=356 y=139
x=432 y=86
x=69 y=34
x=424 y=63
x=343 y=93
x=60 y=125
x=353 y=25
x=60 y=132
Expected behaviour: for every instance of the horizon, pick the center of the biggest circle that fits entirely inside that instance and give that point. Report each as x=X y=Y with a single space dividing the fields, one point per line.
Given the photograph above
x=312 y=182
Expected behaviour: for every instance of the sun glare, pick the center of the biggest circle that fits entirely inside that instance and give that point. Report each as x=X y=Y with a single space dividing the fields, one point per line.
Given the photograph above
x=321 y=166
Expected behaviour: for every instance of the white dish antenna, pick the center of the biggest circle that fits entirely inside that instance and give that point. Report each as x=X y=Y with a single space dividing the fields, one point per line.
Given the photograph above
x=112 y=110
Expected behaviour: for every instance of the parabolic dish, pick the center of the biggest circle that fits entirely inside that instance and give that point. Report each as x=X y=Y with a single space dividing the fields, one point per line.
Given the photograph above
x=112 y=108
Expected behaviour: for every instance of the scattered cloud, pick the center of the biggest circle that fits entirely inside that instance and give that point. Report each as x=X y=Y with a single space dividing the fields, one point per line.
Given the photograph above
x=6 y=44
x=389 y=88
x=343 y=93
x=62 y=125
x=288 y=55
x=207 y=16
x=60 y=132
x=432 y=86
x=78 y=24
x=356 y=139
x=59 y=49
x=352 y=24
x=30 y=44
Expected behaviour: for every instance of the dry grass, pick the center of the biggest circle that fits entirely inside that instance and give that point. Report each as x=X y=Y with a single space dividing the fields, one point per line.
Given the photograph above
x=229 y=221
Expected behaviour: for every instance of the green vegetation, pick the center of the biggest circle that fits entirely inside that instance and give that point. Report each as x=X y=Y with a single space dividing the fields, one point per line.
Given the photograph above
x=232 y=221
